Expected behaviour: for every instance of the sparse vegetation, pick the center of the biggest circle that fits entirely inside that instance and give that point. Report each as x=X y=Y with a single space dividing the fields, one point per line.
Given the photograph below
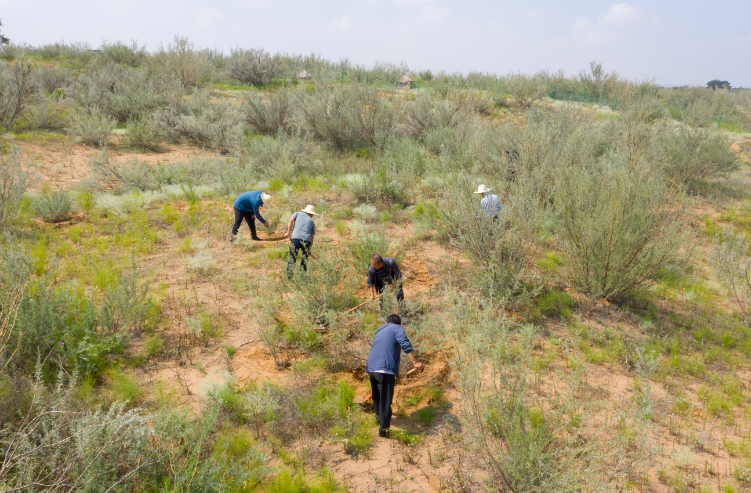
x=564 y=336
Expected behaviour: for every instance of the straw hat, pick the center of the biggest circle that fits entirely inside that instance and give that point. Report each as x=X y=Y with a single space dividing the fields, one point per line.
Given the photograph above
x=482 y=189
x=309 y=210
x=265 y=197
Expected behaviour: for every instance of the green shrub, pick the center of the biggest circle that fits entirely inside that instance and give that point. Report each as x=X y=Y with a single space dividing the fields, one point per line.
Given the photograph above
x=619 y=226
x=555 y=303
x=322 y=291
x=364 y=246
x=731 y=261
x=144 y=134
x=14 y=181
x=426 y=414
x=181 y=61
x=53 y=207
x=690 y=154
x=379 y=187
x=154 y=346
x=268 y=115
x=92 y=127
x=120 y=53
x=253 y=66
x=351 y=117
x=124 y=388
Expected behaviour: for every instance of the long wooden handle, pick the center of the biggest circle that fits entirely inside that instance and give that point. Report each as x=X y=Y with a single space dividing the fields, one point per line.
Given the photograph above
x=350 y=310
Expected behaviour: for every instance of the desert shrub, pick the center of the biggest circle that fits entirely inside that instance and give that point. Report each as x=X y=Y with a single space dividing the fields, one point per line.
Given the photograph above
x=367 y=245
x=123 y=93
x=131 y=55
x=17 y=90
x=54 y=206
x=537 y=152
x=14 y=180
x=500 y=248
x=182 y=62
x=62 y=447
x=45 y=114
x=92 y=127
x=730 y=260
x=405 y=158
x=145 y=134
x=50 y=79
x=365 y=211
x=450 y=141
x=380 y=187
x=619 y=226
x=270 y=114
x=253 y=66
x=427 y=113
x=190 y=460
x=352 y=117
x=523 y=89
x=530 y=441
x=284 y=158
x=199 y=121
x=64 y=327
x=323 y=291
x=695 y=154
x=118 y=176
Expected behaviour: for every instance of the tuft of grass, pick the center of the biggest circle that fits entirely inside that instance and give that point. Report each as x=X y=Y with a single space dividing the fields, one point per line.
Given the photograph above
x=405 y=437
x=123 y=387
x=154 y=346
x=426 y=414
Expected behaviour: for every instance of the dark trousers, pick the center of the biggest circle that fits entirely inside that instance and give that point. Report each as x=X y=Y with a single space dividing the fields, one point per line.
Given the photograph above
x=297 y=249
x=382 y=385
x=379 y=287
x=249 y=218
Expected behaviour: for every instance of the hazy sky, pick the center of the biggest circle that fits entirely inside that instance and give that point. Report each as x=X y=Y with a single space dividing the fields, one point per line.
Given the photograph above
x=674 y=41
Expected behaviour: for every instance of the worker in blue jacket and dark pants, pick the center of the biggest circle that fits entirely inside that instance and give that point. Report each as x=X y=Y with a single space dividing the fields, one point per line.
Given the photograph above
x=383 y=368
x=248 y=206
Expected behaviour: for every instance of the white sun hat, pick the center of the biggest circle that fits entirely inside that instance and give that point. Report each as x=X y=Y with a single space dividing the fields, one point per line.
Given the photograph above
x=309 y=210
x=265 y=197
x=482 y=189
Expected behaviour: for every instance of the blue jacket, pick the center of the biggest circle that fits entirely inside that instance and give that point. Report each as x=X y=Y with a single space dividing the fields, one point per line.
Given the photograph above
x=385 y=352
x=250 y=202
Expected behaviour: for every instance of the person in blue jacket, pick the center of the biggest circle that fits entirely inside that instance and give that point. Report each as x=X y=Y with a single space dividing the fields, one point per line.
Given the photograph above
x=248 y=206
x=383 y=368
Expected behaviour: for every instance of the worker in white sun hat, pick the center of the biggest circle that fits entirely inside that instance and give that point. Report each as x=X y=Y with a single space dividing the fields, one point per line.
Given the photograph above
x=490 y=201
x=302 y=237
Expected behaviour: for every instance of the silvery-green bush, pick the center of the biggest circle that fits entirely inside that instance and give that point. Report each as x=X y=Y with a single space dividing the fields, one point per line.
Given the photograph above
x=92 y=127
x=54 y=206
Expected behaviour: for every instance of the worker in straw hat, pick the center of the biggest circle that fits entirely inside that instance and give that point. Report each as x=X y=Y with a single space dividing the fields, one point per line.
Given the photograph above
x=248 y=206
x=302 y=237
x=490 y=201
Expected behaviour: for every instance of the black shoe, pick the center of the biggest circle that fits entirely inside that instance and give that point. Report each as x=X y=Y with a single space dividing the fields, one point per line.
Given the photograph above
x=255 y=238
x=384 y=433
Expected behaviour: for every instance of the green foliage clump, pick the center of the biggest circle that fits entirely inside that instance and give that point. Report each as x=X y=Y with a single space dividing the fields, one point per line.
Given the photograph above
x=268 y=115
x=364 y=246
x=93 y=127
x=144 y=134
x=620 y=226
x=14 y=181
x=53 y=207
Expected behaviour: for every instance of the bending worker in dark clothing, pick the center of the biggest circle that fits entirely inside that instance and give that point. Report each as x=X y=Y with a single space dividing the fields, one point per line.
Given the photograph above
x=248 y=206
x=383 y=368
x=382 y=271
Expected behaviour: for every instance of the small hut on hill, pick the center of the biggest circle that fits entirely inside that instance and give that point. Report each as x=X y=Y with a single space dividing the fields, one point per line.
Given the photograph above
x=304 y=75
x=404 y=82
